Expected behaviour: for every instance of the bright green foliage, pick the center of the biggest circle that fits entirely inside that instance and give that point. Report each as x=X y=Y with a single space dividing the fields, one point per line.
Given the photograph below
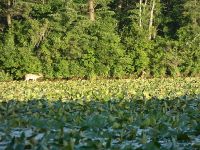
x=58 y=39
x=100 y=89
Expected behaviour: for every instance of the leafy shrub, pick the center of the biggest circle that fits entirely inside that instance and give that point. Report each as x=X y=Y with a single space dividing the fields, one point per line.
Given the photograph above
x=5 y=76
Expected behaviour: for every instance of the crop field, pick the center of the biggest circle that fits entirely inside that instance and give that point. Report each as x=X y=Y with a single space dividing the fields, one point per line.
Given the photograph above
x=101 y=114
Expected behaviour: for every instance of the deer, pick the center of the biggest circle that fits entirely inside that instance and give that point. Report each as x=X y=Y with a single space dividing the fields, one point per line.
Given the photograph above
x=33 y=77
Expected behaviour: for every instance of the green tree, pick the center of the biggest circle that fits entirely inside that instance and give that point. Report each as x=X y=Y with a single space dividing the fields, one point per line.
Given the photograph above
x=189 y=38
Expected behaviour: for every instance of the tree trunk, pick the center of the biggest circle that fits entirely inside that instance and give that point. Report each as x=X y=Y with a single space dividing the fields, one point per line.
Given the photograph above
x=8 y=15
x=140 y=15
x=8 y=19
x=145 y=3
x=120 y=4
x=13 y=2
x=9 y=3
x=91 y=10
x=195 y=19
x=151 y=20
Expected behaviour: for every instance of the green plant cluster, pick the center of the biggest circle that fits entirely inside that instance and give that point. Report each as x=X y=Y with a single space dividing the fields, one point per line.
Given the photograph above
x=87 y=90
x=113 y=124
x=58 y=39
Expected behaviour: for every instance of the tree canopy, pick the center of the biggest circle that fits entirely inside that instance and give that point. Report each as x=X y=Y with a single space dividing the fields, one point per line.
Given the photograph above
x=99 y=38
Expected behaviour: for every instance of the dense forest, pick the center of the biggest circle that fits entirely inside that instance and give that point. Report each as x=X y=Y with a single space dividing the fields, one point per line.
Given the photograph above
x=99 y=38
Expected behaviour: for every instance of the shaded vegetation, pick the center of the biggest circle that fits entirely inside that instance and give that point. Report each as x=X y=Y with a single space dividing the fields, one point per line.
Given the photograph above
x=112 y=124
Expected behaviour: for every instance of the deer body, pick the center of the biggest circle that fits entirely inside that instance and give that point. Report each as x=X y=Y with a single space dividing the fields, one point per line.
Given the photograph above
x=33 y=77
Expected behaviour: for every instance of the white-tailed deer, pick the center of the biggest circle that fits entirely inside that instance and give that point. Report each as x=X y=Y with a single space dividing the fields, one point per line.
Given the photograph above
x=33 y=77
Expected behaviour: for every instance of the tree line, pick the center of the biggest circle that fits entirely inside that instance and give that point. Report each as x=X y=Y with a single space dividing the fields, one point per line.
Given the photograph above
x=99 y=38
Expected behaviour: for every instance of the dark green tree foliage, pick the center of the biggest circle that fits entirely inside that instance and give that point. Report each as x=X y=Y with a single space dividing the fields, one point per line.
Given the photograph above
x=171 y=18
x=125 y=38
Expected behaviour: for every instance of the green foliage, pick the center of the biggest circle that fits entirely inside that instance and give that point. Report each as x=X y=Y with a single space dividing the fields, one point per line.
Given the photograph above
x=5 y=76
x=190 y=50
x=102 y=114
x=138 y=49
x=58 y=39
x=100 y=89
x=17 y=60
x=158 y=58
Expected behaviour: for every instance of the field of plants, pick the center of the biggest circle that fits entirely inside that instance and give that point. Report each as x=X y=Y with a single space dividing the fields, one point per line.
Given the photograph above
x=100 y=114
